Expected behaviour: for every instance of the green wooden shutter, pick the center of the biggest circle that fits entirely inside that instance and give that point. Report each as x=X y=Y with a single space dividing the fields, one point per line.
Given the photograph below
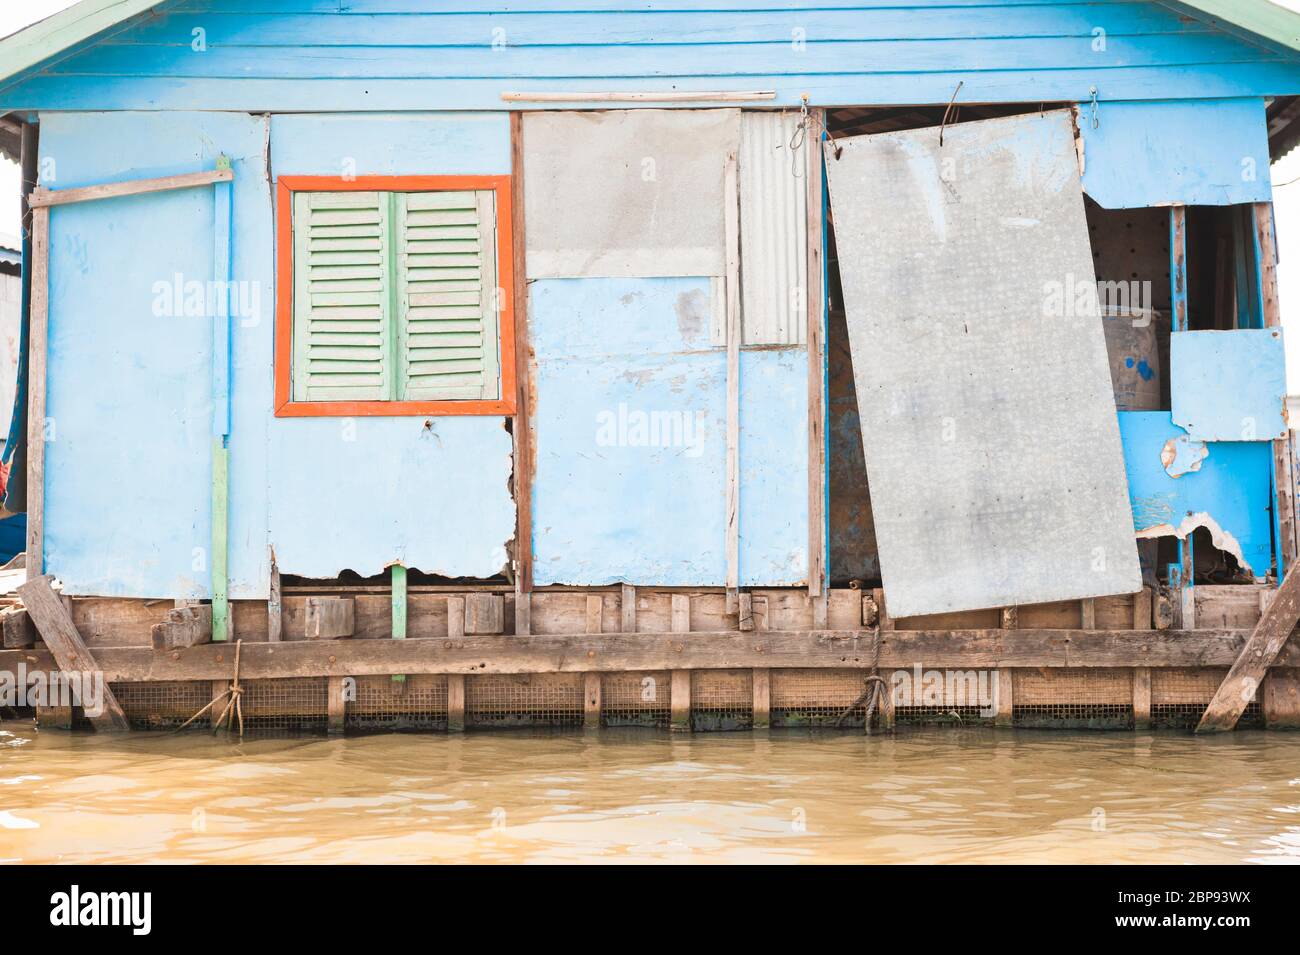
x=341 y=313
x=447 y=281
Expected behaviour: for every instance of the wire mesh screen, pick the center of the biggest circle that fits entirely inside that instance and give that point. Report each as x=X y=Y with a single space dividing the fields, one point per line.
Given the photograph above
x=816 y=697
x=163 y=706
x=536 y=699
x=1179 y=698
x=419 y=702
x=292 y=705
x=722 y=700
x=636 y=699
x=943 y=697
x=1077 y=698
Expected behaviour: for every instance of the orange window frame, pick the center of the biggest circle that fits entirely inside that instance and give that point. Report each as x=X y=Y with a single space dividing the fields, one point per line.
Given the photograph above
x=286 y=186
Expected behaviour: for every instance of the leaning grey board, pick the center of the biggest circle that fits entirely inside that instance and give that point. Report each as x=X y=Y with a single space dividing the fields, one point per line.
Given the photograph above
x=988 y=418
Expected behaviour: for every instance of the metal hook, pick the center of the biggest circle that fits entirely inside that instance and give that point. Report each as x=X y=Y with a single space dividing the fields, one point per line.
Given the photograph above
x=1096 y=120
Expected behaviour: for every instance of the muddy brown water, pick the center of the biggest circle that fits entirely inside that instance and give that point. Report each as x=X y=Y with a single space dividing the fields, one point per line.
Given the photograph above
x=920 y=796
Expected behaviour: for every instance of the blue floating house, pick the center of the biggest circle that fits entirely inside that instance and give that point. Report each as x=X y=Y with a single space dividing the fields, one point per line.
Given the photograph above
x=973 y=302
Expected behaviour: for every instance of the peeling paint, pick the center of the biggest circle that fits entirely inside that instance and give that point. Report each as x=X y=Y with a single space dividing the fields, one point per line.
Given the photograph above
x=1182 y=455
x=1223 y=540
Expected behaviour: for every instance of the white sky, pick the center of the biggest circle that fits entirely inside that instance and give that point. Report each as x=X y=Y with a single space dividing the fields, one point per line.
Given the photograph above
x=1286 y=195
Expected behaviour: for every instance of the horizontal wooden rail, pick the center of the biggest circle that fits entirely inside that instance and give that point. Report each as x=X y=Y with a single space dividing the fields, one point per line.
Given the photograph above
x=41 y=198
x=618 y=652
x=641 y=96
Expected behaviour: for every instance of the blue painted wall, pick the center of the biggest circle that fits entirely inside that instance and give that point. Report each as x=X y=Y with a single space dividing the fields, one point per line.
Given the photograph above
x=1229 y=385
x=631 y=440
x=1203 y=152
x=1233 y=486
x=277 y=55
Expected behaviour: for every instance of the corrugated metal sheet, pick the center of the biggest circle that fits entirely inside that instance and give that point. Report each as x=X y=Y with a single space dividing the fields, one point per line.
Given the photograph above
x=773 y=229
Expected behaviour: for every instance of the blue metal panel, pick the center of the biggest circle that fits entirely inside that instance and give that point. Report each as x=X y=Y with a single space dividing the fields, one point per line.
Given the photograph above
x=1205 y=152
x=1229 y=494
x=1229 y=386
x=630 y=425
x=412 y=55
x=128 y=486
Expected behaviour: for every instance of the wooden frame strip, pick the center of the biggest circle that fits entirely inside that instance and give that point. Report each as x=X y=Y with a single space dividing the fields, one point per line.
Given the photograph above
x=1178 y=265
x=522 y=430
x=731 y=206
x=44 y=198
x=816 y=306
x=37 y=345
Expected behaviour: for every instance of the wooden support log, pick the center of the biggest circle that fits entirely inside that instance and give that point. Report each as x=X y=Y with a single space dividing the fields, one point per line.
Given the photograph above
x=485 y=614
x=1281 y=699
x=183 y=627
x=627 y=608
x=398 y=610
x=1142 y=698
x=681 y=613
x=681 y=701
x=523 y=612
x=731 y=221
x=1005 y=715
x=591 y=700
x=274 y=606
x=56 y=717
x=455 y=618
x=18 y=629
x=455 y=703
x=595 y=616
x=65 y=645
x=762 y=695
x=1261 y=650
x=329 y=618
x=815 y=304
x=337 y=705
x=37 y=340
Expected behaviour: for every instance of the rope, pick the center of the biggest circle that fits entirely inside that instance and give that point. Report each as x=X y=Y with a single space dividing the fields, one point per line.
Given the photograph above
x=874 y=694
x=800 y=135
x=234 y=708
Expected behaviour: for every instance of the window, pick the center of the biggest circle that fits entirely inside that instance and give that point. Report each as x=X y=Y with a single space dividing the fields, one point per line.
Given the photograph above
x=394 y=296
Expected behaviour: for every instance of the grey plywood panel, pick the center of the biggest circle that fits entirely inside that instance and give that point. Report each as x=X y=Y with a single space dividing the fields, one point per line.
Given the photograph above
x=988 y=420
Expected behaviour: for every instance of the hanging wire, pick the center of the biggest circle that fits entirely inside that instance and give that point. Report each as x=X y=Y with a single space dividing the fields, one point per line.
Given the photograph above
x=951 y=110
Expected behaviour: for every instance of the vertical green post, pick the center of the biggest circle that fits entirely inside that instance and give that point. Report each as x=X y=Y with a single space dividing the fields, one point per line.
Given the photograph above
x=399 y=610
x=220 y=506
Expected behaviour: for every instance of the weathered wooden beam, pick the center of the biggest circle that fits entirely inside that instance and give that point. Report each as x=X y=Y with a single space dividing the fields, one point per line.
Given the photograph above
x=183 y=627
x=591 y=700
x=44 y=198
x=816 y=313
x=329 y=618
x=1178 y=265
x=485 y=614
x=731 y=220
x=1261 y=650
x=1142 y=698
x=274 y=606
x=595 y=615
x=762 y=696
x=18 y=629
x=680 y=701
x=523 y=612
x=616 y=652
x=1281 y=699
x=522 y=428
x=65 y=646
x=627 y=608
x=681 y=613
x=337 y=705
x=37 y=341
x=455 y=703
x=1005 y=715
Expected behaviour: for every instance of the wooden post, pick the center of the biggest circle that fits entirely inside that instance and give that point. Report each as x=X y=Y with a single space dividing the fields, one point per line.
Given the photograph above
x=746 y=615
x=221 y=271
x=1284 y=479
x=731 y=216
x=1281 y=699
x=628 y=609
x=455 y=703
x=523 y=613
x=398 y=573
x=329 y=618
x=484 y=614
x=1142 y=698
x=337 y=705
x=274 y=606
x=37 y=336
x=1088 y=614
x=595 y=613
x=1005 y=715
x=1178 y=265
x=591 y=700
x=18 y=630
x=762 y=693
x=681 y=613
x=816 y=306
x=681 y=701
x=1264 y=644
x=521 y=431
x=1186 y=585
x=55 y=625
x=1142 y=619
x=455 y=617
x=219 y=688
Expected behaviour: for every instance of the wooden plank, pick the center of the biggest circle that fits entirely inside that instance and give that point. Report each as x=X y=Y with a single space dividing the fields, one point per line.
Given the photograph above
x=883 y=620
x=484 y=614
x=219 y=562
x=1178 y=265
x=18 y=629
x=329 y=618
x=617 y=652
x=1261 y=650
x=1006 y=685
x=627 y=608
x=731 y=217
x=591 y=700
x=681 y=701
x=337 y=705
x=681 y=613
x=522 y=429
x=746 y=607
x=64 y=644
x=641 y=96
x=1281 y=699
x=399 y=616
x=1088 y=614
x=455 y=617
x=816 y=311
x=1142 y=609
x=44 y=198
x=762 y=696
x=455 y=703
x=523 y=612
x=595 y=613
x=274 y=606
x=37 y=339
x=1142 y=698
